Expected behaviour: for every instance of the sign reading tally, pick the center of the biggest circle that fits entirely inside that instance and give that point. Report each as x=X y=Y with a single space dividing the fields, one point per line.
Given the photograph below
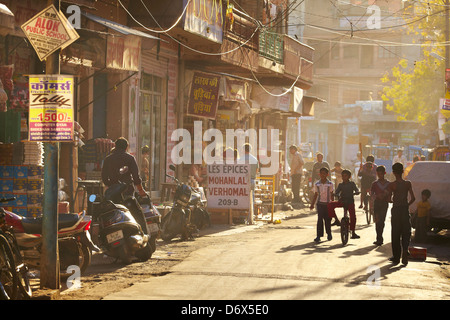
x=229 y=186
x=51 y=108
x=49 y=31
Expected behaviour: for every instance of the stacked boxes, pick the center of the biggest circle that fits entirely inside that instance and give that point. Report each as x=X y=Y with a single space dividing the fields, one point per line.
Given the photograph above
x=23 y=182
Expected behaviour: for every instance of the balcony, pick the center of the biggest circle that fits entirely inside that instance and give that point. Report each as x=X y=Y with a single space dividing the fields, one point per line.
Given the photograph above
x=246 y=48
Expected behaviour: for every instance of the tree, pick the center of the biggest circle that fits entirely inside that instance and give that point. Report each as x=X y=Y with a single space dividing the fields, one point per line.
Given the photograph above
x=413 y=89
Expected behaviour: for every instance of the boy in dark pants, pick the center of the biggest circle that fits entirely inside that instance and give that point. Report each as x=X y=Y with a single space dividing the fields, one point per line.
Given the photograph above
x=380 y=195
x=324 y=193
x=400 y=219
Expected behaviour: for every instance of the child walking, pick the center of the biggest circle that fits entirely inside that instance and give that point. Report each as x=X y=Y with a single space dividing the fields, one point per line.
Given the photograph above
x=423 y=217
x=345 y=190
x=400 y=219
x=324 y=191
x=380 y=195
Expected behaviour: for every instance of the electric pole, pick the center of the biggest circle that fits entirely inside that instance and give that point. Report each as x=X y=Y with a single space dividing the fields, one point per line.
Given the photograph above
x=49 y=256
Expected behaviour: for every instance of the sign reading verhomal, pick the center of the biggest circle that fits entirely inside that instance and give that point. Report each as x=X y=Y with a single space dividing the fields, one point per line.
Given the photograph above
x=229 y=186
x=49 y=31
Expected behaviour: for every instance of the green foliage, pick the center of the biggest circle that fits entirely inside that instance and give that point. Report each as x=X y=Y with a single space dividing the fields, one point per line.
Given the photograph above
x=412 y=88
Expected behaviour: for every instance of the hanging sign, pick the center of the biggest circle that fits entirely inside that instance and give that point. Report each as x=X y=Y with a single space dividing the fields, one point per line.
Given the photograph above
x=204 y=95
x=49 y=31
x=51 y=108
x=229 y=186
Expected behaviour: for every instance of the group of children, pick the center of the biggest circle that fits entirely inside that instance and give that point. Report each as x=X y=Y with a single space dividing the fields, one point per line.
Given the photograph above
x=383 y=193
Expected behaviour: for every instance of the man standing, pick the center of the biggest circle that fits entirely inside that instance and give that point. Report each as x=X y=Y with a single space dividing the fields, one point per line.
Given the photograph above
x=400 y=158
x=296 y=171
x=319 y=165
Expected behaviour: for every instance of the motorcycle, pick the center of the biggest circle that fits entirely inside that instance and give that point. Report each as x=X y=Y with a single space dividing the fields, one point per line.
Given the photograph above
x=74 y=242
x=120 y=234
x=187 y=213
x=152 y=218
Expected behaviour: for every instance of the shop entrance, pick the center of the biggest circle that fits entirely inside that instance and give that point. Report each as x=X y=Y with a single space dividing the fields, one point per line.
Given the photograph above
x=150 y=124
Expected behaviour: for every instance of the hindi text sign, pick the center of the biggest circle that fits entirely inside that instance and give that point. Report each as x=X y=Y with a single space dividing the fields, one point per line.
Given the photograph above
x=204 y=95
x=51 y=108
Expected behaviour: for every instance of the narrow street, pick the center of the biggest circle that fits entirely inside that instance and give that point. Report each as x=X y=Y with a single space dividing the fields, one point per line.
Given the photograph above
x=276 y=262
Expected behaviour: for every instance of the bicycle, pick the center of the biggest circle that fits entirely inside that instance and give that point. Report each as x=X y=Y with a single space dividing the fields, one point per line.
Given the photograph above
x=368 y=207
x=13 y=271
x=8 y=276
x=345 y=226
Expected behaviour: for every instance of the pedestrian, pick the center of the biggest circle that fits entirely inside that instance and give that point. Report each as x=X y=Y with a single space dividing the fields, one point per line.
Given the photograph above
x=423 y=217
x=337 y=172
x=400 y=157
x=296 y=171
x=323 y=193
x=317 y=166
x=345 y=191
x=380 y=194
x=400 y=218
x=145 y=167
x=368 y=174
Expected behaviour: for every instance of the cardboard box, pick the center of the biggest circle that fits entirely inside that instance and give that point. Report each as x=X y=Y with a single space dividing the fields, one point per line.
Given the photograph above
x=35 y=172
x=21 y=211
x=21 y=199
x=20 y=185
x=418 y=253
x=6 y=185
x=35 y=199
x=34 y=185
x=6 y=172
x=20 y=172
x=34 y=212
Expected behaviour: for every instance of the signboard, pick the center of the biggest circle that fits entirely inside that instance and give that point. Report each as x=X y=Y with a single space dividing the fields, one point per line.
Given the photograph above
x=444 y=106
x=123 y=52
x=229 y=186
x=204 y=95
x=205 y=18
x=51 y=108
x=49 y=31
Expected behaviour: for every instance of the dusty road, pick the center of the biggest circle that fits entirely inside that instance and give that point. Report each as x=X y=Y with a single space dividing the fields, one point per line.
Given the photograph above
x=269 y=262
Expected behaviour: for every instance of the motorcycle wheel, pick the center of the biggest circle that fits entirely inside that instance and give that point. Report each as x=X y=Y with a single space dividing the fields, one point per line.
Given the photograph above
x=9 y=281
x=145 y=253
x=166 y=222
x=124 y=254
x=72 y=252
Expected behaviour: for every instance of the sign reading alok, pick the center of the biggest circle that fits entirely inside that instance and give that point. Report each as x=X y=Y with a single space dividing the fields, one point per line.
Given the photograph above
x=49 y=31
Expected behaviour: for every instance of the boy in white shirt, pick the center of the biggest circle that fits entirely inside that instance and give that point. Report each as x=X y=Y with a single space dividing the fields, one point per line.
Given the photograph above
x=324 y=193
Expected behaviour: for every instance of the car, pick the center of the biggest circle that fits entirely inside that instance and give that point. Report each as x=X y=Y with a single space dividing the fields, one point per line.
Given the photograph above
x=434 y=176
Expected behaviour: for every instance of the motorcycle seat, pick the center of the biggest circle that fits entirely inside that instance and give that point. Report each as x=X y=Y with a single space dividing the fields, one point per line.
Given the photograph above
x=34 y=225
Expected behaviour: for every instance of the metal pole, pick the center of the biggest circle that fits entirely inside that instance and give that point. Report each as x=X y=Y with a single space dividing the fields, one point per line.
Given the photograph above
x=447 y=34
x=49 y=255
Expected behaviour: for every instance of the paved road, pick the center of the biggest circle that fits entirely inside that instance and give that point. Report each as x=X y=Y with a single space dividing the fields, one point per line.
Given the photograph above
x=282 y=261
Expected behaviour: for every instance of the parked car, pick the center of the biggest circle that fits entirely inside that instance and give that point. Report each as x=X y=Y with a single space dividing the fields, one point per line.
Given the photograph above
x=435 y=176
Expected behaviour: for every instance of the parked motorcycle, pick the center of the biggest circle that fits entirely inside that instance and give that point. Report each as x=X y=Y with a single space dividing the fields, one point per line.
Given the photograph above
x=74 y=242
x=186 y=215
x=120 y=234
x=152 y=218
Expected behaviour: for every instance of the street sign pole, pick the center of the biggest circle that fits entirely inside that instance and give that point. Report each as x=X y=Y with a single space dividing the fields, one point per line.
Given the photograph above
x=49 y=257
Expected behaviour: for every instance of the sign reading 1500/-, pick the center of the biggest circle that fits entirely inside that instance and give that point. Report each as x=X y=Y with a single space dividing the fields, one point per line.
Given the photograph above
x=51 y=108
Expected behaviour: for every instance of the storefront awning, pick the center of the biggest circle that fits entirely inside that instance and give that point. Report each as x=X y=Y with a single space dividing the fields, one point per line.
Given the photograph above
x=6 y=20
x=308 y=105
x=118 y=27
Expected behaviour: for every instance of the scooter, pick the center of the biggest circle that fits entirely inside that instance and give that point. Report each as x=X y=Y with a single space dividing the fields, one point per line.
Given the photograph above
x=152 y=218
x=179 y=220
x=74 y=242
x=120 y=235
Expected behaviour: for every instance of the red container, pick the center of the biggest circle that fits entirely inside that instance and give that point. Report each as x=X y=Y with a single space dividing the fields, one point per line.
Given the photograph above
x=418 y=253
